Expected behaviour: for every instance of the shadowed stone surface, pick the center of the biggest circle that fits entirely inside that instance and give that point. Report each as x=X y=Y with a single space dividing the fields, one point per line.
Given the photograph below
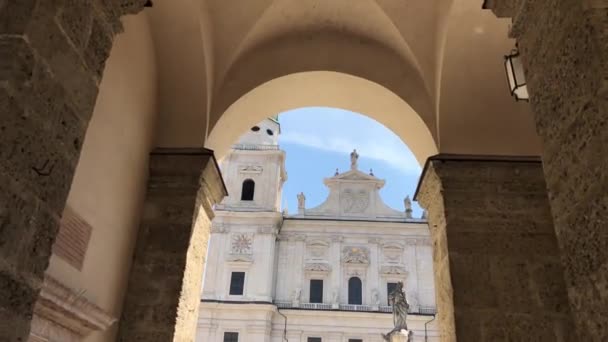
x=496 y=279
x=164 y=286
x=564 y=47
x=52 y=55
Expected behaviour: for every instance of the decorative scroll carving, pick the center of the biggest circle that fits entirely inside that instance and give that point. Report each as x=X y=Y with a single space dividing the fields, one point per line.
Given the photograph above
x=219 y=228
x=267 y=230
x=251 y=169
x=355 y=255
x=354 y=201
x=317 y=267
x=393 y=269
x=337 y=238
x=373 y=240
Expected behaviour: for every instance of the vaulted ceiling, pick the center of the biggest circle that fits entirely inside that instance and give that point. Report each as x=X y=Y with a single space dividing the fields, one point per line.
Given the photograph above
x=442 y=57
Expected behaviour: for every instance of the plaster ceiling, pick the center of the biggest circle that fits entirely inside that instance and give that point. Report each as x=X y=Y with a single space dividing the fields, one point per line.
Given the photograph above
x=442 y=57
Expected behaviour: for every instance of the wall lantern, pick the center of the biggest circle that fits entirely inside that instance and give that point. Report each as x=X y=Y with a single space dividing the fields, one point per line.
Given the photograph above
x=515 y=76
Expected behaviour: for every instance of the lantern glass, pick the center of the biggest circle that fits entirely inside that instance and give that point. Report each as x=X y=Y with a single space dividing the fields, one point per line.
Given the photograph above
x=515 y=76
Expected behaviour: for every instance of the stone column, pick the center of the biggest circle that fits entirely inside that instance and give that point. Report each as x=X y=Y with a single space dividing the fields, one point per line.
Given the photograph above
x=52 y=55
x=164 y=286
x=564 y=48
x=498 y=274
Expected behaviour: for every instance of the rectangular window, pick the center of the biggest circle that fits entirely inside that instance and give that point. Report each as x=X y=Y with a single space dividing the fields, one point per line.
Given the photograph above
x=231 y=337
x=316 y=291
x=314 y=339
x=237 y=281
x=390 y=287
x=355 y=340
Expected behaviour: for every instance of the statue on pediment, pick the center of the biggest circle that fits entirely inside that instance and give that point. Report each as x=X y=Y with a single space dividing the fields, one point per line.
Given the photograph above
x=301 y=200
x=354 y=157
x=407 y=203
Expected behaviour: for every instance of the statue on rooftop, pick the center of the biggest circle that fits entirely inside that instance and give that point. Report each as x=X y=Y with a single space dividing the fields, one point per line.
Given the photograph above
x=400 y=308
x=407 y=203
x=354 y=157
x=301 y=200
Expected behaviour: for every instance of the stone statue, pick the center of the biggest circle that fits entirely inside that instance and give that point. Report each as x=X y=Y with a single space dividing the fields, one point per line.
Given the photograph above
x=334 y=297
x=400 y=308
x=407 y=203
x=301 y=200
x=375 y=297
x=354 y=157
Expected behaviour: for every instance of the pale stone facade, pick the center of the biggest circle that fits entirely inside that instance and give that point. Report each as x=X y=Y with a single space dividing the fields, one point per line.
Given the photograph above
x=353 y=234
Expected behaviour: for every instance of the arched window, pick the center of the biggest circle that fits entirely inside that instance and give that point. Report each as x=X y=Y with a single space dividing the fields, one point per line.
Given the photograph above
x=354 y=291
x=248 y=190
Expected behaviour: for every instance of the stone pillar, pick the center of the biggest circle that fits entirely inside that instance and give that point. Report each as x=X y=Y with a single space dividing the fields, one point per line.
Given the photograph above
x=163 y=295
x=498 y=274
x=564 y=48
x=52 y=55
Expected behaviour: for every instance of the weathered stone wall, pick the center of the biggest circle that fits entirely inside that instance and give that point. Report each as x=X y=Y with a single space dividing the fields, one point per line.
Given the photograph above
x=164 y=286
x=564 y=46
x=52 y=55
x=498 y=271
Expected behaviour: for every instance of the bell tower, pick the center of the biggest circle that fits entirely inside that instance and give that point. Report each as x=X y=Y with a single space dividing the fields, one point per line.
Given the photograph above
x=254 y=171
x=246 y=224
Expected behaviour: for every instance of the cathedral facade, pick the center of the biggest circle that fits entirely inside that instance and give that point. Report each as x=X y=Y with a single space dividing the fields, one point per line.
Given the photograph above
x=323 y=274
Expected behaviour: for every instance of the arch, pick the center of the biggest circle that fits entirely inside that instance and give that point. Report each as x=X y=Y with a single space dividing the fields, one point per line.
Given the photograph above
x=323 y=89
x=355 y=291
x=248 y=190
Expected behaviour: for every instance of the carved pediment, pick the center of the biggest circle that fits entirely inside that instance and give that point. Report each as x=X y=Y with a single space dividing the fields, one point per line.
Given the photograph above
x=317 y=267
x=250 y=169
x=392 y=252
x=317 y=250
x=240 y=258
x=393 y=269
x=355 y=255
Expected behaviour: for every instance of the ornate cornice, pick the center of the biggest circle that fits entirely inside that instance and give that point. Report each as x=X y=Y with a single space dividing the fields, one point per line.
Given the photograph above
x=60 y=305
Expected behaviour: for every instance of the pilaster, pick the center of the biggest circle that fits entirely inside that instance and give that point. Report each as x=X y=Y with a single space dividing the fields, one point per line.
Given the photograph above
x=164 y=286
x=498 y=274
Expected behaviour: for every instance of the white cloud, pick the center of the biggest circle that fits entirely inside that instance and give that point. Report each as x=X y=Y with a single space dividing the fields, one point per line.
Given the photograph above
x=383 y=148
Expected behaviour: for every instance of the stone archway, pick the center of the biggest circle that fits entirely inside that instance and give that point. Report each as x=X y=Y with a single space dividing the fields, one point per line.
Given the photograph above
x=328 y=89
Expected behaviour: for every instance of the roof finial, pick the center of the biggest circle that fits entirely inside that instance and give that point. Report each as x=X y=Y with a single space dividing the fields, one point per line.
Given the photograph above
x=337 y=172
x=371 y=172
x=354 y=157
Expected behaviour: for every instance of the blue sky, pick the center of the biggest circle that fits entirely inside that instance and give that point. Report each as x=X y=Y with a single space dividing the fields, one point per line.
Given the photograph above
x=318 y=140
